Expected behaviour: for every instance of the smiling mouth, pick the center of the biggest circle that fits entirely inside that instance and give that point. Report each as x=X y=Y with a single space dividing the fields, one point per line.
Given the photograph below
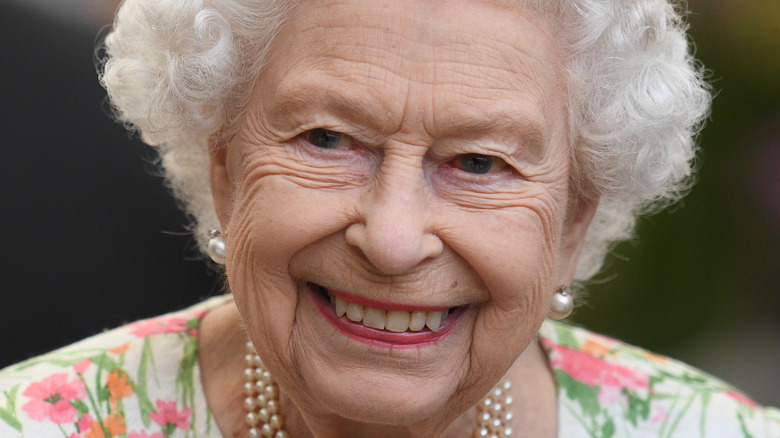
x=395 y=320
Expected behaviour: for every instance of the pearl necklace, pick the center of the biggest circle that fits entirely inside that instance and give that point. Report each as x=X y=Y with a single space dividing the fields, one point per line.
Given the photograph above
x=264 y=419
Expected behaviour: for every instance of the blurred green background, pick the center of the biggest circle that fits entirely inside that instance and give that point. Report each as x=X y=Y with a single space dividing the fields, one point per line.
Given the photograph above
x=700 y=281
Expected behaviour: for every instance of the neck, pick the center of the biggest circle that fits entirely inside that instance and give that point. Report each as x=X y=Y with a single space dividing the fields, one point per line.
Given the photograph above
x=221 y=358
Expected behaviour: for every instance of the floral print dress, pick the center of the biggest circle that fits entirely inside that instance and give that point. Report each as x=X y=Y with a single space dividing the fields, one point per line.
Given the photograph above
x=138 y=381
x=610 y=389
x=143 y=381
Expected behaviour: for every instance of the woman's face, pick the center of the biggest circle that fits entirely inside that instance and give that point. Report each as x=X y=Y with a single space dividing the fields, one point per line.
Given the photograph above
x=409 y=158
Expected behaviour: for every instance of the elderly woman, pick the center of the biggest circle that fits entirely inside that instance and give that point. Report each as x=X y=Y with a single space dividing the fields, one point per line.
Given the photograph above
x=404 y=191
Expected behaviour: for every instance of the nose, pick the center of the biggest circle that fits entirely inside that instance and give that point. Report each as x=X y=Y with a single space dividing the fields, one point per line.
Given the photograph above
x=395 y=227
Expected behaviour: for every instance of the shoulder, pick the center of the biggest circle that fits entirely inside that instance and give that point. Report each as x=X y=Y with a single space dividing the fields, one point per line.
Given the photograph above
x=140 y=379
x=609 y=388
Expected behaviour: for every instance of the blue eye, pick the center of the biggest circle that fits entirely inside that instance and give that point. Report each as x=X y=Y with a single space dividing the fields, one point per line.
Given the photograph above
x=475 y=163
x=322 y=138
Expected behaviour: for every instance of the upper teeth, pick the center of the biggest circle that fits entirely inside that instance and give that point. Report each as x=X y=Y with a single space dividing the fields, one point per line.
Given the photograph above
x=391 y=320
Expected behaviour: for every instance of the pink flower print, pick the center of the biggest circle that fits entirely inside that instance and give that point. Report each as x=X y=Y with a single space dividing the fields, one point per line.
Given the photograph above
x=659 y=415
x=85 y=422
x=594 y=371
x=741 y=398
x=82 y=366
x=154 y=326
x=609 y=395
x=143 y=434
x=51 y=399
x=74 y=435
x=168 y=414
x=167 y=324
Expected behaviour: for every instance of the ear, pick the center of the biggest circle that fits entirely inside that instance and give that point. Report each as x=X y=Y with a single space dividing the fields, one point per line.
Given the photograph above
x=222 y=186
x=575 y=228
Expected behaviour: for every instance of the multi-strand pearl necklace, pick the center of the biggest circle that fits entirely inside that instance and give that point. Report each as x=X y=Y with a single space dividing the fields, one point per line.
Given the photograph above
x=495 y=418
x=262 y=399
x=264 y=419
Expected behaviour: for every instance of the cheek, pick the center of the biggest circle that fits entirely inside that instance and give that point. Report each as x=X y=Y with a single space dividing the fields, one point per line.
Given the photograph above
x=513 y=256
x=513 y=250
x=284 y=202
x=273 y=218
x=514 y=253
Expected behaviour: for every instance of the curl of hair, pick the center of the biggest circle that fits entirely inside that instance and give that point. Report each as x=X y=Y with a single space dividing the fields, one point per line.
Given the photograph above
x=177 y=73
x=637 y=100
x=180 y=71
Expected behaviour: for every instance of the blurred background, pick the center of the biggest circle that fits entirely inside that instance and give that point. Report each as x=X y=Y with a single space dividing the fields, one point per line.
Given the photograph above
x=90 y=238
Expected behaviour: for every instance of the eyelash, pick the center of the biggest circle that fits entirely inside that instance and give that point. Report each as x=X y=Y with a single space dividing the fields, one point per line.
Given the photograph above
x=474 y=160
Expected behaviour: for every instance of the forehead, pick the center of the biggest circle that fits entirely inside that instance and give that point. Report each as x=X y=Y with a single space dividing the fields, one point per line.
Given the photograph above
x=438 y=63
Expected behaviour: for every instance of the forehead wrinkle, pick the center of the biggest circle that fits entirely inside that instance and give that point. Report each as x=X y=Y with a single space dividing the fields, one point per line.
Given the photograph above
x=416 y=42
x=526 y=73
x=378 y=74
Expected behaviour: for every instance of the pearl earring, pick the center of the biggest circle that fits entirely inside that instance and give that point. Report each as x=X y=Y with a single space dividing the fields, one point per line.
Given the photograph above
x=562 y=303
x=216 y=247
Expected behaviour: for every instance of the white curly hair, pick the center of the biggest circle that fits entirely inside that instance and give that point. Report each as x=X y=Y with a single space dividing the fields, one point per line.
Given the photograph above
x=181 y=71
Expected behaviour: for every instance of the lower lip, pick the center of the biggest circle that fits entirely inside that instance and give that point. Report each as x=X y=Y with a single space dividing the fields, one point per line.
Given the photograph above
x=384 y=338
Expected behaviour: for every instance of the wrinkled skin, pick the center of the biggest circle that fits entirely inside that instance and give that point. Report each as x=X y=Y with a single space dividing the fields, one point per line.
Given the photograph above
x=395 y=209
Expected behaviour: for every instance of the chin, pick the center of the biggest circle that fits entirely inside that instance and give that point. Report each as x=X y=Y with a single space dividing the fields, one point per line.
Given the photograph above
x=373 y=396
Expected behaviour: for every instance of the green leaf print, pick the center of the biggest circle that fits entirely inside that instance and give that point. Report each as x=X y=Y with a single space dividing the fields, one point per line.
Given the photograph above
x=185 y=378
x=80 y=406
x=608 y=429
x=9 y=418
x=705 y=401
x=8 y=414
x=638 y=408
x=103 y=395
x=742 y=426
x=145 y=405
x=566 y=336
x=580 y=392
x=62 y=359
x=679 y=415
